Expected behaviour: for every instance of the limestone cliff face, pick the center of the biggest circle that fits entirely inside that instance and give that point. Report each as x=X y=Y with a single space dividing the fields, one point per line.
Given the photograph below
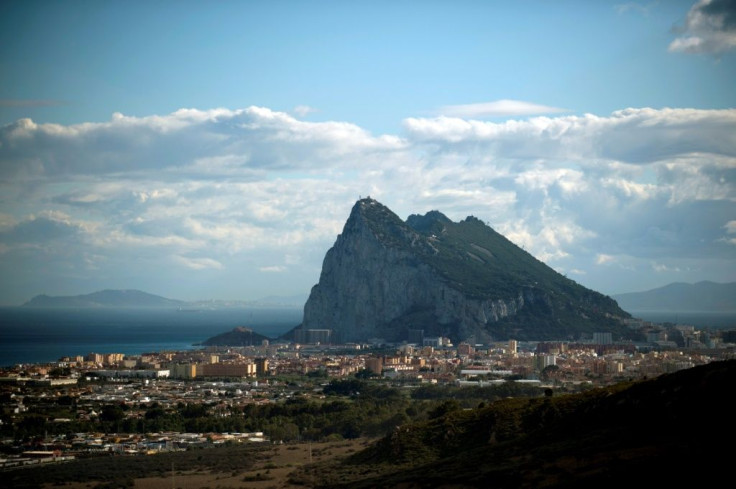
x=383 y=277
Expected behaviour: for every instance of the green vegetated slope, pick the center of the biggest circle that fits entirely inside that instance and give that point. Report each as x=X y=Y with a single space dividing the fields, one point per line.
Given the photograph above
x=676 y=429
x=482 y=264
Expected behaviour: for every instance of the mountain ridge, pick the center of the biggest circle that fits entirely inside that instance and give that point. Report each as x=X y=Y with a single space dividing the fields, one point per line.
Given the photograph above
x=110 y=298
x=104 y=298
x=384 y=276
x=682 y=297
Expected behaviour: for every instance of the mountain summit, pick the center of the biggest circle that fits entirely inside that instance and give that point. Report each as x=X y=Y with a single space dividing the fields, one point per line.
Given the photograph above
x=384 y=277
x=681 y=297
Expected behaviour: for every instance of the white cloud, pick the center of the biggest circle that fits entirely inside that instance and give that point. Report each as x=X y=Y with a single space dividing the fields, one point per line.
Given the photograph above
x=643 y=9
x=6 y=221
x=187 y=140
x=710 y=27
x=662 y=268
x=199 y=263
x=497 y=108
x=41 y=229
x=631 y=189
x=567 y=180
x=303 y=110
x=272 y=269
x=630 y=135
x=168 y=199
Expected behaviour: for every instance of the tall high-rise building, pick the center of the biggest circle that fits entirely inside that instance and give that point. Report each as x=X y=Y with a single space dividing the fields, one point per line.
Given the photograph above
x=415 y=336
x=603 y=338
x=227 y=370
x=183 y=370
x=313 y=336
x=374 y=364
x=261 y=366
x=544 y=361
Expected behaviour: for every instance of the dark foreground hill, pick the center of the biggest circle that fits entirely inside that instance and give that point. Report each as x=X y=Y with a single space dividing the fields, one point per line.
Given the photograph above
x=384 y=277
x=673 y=431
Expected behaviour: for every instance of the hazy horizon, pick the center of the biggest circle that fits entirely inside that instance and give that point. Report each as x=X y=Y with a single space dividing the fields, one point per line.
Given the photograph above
x=268 y=300
x=199 y=150
x=285 y=299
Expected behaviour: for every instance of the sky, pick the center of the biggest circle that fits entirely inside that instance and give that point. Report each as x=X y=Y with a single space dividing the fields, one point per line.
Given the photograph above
x=213 y=150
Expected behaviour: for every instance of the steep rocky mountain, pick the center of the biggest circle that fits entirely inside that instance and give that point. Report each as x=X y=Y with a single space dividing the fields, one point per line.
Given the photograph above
x=682 y=297
x=384 y=277
x=105 y=298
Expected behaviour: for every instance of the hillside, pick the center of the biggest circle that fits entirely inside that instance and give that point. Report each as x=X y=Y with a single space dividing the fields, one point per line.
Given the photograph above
x=105 y=298
x=239 y=336
x=673 y=430
x=682 y=297
x=384 y=276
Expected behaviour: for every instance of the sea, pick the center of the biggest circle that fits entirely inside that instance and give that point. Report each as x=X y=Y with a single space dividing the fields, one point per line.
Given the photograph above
x=31 y=335
x=699 y=319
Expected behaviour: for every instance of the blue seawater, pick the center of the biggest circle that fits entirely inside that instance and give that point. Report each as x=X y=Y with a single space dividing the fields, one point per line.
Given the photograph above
x=699 y=319
x=29 y=335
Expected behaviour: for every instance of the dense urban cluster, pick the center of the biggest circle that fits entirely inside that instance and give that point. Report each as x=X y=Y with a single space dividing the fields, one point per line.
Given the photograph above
x=112 y=403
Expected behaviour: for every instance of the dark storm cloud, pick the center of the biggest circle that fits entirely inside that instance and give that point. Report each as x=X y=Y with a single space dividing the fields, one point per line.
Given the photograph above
x=710 y=28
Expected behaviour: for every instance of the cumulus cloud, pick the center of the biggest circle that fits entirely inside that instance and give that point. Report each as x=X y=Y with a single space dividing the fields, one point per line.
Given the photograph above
x=497 y=108
x=303 y=110
x=247 y=139
x=226 y=194
x=710 y=27
x=39 y=230
x=631 y=135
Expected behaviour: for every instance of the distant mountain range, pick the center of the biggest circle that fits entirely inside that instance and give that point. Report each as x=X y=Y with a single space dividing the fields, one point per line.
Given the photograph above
x=682 y=297
x=676 y=297
x=105 y=298
x=136 y=298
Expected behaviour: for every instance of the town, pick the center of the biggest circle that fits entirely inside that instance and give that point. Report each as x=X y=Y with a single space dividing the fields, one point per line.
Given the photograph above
x=112 y=403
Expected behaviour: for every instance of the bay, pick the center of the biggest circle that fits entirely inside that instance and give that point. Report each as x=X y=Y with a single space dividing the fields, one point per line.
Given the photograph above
x=29 y=335
x=699 y=319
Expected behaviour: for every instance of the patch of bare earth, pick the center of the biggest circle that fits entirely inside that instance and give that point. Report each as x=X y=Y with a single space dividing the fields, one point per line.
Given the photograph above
x=270 y=471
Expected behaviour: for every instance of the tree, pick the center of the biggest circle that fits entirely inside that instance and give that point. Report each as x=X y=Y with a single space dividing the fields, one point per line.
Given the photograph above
x=444 y=408
x=112 y=413
x=549 y=371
